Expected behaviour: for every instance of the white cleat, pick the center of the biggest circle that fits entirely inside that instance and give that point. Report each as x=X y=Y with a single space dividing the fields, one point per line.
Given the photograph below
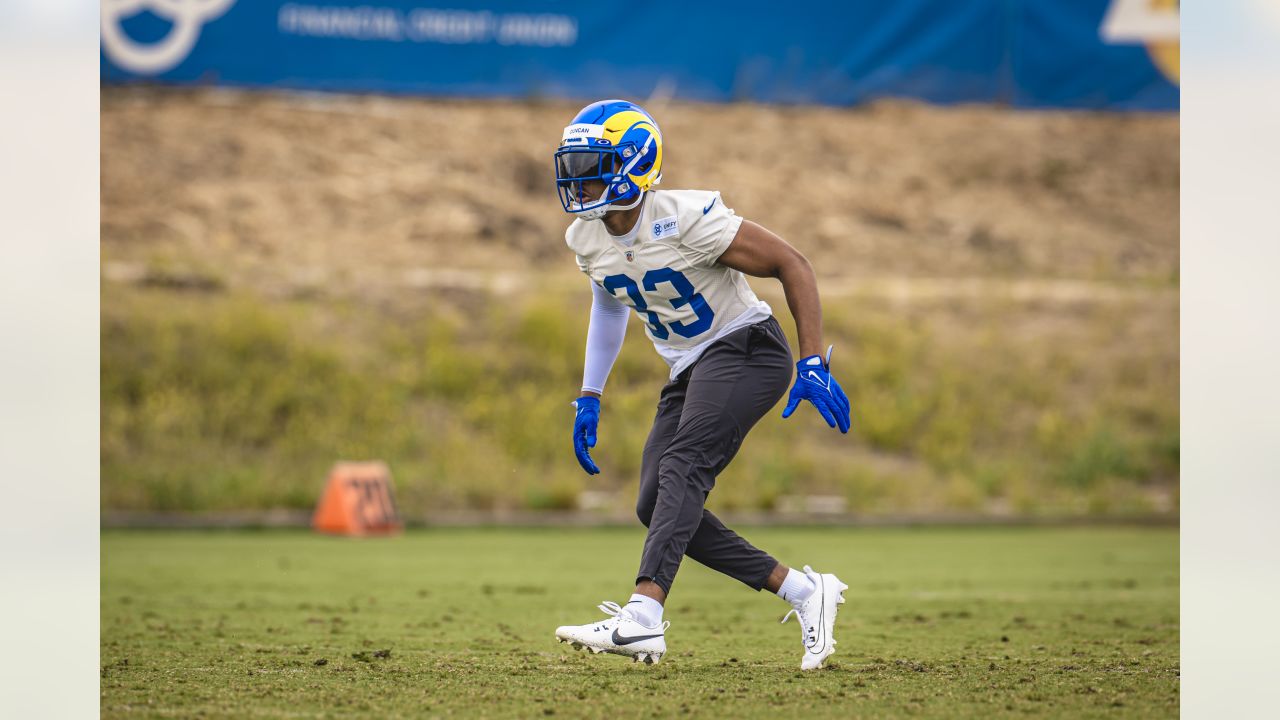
x=620 y=634
x=817 y=616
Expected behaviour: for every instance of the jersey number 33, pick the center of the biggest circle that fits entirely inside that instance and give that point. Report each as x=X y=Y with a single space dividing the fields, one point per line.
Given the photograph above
x=685 y=295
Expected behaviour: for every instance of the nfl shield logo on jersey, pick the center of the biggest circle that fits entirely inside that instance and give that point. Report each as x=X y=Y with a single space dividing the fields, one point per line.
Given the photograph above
x=630 y=255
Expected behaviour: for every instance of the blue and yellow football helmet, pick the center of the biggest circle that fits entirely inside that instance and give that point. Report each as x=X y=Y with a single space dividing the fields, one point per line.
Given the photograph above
x=616 y=143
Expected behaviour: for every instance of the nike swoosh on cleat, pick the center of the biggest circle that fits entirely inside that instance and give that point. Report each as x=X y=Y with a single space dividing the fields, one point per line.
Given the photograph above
x=707 y=209
x=822 y=615
x=623 y=640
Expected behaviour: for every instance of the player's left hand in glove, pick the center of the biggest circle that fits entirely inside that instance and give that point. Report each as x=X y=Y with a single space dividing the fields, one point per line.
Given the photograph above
x=815 y=384
x=584 y=431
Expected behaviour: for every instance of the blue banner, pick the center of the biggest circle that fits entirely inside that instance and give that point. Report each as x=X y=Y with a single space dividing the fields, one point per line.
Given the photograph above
x=1030 y=53
x=1115 y=54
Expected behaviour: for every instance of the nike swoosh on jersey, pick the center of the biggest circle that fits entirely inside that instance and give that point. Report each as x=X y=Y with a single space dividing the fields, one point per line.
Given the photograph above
x=707 y=209
x=624 y=640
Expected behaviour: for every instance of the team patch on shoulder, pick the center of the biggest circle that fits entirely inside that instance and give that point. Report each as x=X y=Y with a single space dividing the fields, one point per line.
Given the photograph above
x=665 y=227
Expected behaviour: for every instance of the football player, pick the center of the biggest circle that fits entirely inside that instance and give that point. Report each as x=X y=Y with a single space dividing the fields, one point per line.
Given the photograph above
x=678 y=259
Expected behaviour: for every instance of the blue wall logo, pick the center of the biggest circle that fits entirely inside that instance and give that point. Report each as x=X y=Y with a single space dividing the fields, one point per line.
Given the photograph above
x=186 y=18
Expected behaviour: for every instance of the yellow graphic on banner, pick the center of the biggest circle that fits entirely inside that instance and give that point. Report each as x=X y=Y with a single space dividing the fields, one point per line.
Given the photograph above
x=1164 y=53
x=1153 y=23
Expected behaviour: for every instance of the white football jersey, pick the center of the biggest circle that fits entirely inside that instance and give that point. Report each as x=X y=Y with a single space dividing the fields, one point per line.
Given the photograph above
x=669 y=274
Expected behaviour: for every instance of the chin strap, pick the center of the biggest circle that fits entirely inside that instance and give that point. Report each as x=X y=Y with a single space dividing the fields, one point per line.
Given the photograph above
x=615 y=208
x=599 y=212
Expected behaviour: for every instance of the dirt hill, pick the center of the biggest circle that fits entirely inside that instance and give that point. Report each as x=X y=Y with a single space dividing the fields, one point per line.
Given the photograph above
x=292 y=279
x=351 y=193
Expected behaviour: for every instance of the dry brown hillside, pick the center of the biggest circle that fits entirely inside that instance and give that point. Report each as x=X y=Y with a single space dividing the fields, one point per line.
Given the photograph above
x=353 y=193
x=294 y=278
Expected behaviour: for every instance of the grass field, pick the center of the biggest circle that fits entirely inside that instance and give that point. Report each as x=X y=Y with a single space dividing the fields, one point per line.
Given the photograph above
x=940 y=623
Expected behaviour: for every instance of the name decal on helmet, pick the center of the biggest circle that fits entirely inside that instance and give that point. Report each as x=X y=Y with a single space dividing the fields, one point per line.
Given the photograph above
x=575 y=133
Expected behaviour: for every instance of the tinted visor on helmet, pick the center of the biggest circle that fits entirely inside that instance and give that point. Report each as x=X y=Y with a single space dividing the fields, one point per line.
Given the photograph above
x=576 y=168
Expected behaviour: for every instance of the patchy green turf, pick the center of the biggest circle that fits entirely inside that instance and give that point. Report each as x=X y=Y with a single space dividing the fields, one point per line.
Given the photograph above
x=940 y=623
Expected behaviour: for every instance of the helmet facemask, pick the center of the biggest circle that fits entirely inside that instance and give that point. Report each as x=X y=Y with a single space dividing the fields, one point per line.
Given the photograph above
x=591 y=180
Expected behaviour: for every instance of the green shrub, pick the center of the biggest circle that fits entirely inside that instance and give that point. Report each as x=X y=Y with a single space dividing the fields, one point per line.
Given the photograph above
x=217 y=401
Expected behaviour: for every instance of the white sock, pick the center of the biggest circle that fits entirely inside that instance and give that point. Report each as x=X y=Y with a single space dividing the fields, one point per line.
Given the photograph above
x=645 y=609
x=796 y=588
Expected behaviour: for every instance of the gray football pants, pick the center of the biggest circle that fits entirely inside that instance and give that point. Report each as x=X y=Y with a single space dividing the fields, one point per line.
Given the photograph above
x=703 y=415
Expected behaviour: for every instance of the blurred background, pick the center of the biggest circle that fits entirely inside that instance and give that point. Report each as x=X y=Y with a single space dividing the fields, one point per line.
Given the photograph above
x=331 y=232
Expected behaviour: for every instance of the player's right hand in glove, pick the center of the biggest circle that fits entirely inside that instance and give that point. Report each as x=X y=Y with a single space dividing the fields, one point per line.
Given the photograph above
x=584 y=431
x=815 y=384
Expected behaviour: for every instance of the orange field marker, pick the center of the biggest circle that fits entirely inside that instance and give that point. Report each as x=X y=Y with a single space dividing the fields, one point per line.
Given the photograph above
x=357 y=500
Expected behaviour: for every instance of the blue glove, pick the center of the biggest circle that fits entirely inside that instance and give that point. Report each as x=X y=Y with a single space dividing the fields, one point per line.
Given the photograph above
x=815 y=384
x=584 y=431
